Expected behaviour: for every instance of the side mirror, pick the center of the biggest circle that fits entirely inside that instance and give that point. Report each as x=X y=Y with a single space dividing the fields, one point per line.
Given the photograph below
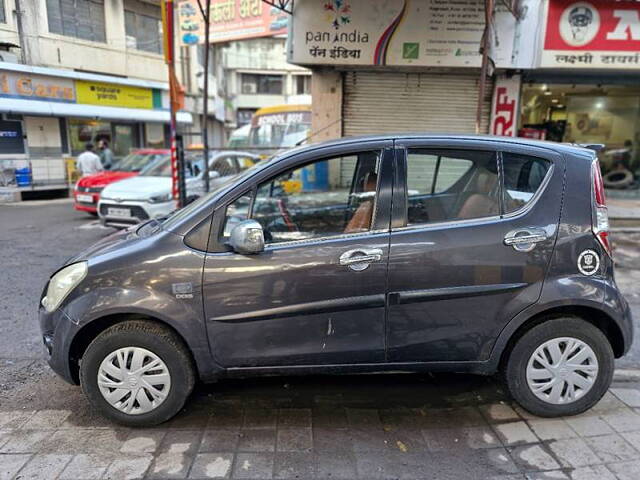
x=247 y=238
x=214 y=174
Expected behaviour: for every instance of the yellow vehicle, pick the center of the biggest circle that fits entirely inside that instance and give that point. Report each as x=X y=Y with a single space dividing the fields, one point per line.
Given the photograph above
x=279 y=127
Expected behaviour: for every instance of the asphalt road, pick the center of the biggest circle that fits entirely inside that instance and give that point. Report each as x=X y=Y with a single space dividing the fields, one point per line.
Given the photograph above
x=36 y=237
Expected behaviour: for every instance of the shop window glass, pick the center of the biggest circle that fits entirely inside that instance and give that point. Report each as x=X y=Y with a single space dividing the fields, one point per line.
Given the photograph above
x=143 y=26
x=451 y=185
x=263 y=84
x=3 y=16
x=77 y=18
x=329 y=197
x=84 y=131
x=523 y=176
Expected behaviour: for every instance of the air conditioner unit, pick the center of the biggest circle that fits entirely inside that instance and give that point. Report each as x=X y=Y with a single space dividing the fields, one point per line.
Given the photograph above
x=249 y=88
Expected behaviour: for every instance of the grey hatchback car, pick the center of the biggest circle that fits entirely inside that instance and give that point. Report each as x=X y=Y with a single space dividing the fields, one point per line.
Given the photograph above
x=389 y=253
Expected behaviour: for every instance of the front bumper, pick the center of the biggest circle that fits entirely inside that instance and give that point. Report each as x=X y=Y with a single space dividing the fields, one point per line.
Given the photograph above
x=85 y=206
x=138 y=212
x=57 y=332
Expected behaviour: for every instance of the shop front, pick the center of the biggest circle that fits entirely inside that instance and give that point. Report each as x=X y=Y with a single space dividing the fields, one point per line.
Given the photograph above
x=391 y=66
x=587 y=87
x=59 y=112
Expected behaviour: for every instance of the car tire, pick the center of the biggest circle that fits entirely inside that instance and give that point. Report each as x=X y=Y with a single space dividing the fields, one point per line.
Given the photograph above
x=523 y=369
x=139 y=342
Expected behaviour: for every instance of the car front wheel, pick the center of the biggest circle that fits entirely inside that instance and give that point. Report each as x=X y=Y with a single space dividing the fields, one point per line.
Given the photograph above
x=137 y=373
x=561 y=367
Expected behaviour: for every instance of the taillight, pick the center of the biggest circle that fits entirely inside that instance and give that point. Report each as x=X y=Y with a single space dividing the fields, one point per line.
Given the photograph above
x=600 y=222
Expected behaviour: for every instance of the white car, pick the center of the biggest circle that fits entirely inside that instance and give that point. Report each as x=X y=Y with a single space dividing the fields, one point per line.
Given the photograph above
x=148 y=195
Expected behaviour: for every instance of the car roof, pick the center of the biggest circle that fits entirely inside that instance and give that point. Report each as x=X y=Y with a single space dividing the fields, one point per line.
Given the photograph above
x=572 y=149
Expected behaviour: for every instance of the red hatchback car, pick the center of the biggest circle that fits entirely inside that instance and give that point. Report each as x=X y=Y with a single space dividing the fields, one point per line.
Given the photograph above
x=87 y=191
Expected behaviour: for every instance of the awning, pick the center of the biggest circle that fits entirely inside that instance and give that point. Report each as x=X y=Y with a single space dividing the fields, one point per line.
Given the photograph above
x=62 y=109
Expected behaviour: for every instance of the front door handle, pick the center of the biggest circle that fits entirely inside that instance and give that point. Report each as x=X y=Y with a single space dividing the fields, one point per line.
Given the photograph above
x=525 y=239
x=359 y=259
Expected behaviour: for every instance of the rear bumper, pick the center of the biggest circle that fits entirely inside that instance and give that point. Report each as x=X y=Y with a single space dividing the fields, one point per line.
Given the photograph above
x=617 y=307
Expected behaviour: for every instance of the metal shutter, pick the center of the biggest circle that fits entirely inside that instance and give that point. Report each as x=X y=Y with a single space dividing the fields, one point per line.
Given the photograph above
x=383 y=102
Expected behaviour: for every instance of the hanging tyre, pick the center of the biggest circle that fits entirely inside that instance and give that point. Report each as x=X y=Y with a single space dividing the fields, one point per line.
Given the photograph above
x=137 y=373
x=560 y=367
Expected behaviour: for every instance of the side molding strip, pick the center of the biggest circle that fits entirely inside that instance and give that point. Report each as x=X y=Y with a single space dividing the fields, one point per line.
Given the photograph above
x=323 y=306
x=414 y=296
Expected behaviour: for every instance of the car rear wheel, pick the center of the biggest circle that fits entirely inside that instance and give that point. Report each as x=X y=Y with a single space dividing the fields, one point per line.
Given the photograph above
x=561 y=367
x=137 y=373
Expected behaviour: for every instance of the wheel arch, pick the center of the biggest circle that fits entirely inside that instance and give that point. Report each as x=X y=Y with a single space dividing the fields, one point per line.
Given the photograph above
x=606 y=324
x=83 y=338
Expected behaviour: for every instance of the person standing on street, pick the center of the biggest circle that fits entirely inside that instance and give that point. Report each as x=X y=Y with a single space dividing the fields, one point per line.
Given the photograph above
x=106 y=155
x=88 y=162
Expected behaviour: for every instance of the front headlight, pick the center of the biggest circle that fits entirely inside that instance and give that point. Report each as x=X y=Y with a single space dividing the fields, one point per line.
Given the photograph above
x=62 y=283
x=164 y=197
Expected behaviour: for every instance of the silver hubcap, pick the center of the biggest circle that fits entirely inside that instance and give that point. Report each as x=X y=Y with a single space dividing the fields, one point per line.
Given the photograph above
x=562 y=370
x=134 y=380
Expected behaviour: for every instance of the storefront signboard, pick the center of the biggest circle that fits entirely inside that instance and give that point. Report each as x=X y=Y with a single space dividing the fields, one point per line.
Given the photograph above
x=36 y=87
x=505 y=106
x=595 y=34
x=406 y=33
x=112 y=95
x=230 y=20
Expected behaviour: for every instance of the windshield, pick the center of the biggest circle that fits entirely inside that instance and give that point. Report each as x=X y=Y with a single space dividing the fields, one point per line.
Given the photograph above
x=179 y=215
x=194 y=164
x=135 y=161
x=278 y=129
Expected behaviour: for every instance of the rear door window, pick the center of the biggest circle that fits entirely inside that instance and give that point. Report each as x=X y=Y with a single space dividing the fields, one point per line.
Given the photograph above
x=523 y=176
x=451 y=185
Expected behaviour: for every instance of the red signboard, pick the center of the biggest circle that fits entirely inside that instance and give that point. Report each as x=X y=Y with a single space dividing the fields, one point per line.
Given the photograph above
x=596 y=34
x=505 y=106
x=230 y=20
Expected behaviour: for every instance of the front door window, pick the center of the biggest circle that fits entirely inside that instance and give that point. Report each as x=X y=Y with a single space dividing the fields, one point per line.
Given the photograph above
x=326 y=198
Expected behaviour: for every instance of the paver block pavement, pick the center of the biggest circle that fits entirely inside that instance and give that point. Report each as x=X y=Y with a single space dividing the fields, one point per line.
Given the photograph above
x=595 y=472
x=552 y=429
x=612 y=448
x=515 y=433
x=85 y=467
x=128 y=467
x=212 y=465
x=256 y=466
x=10 y=464
x=630 y=396
x=44 y=466
x=574 y=452
x=533 y=458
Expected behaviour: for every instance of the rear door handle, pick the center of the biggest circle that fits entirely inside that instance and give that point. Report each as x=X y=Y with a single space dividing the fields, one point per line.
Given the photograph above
x=525 y=239
x=359 y=259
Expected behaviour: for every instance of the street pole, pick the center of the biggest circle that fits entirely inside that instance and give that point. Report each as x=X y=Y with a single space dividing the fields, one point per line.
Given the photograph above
x=206 y=19
x=175 y=102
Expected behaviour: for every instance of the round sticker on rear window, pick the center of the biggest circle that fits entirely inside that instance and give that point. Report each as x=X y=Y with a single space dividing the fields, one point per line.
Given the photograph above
x=588 y=262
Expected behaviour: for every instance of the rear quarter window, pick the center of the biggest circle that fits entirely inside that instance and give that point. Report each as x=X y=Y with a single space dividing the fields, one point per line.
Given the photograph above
x=523 y=177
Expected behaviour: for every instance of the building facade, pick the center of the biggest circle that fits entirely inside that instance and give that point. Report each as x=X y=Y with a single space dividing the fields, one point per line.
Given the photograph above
x=560 y=70
x=73 y=71
x=257 y=75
